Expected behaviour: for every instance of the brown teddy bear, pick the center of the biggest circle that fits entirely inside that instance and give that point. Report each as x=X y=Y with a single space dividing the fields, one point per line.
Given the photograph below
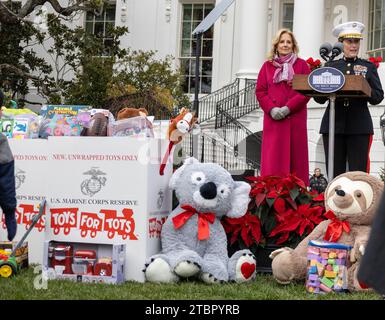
x=352 y=199
x=126 y=113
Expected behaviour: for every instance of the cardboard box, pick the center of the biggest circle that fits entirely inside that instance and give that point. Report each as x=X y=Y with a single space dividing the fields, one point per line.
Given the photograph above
x=102 y=190
x=31 y=165
x=109 y=191
x=61 y=262
x=21 y=253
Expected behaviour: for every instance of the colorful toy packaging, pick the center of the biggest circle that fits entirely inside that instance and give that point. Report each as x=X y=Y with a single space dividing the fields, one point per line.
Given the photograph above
x=49 y=111
x=84 y=262
x=99 y=122
x=327 y=267
x=64 y=125
x=138 y=127
x=64 y=120
x=24 y=126
x=6 y=127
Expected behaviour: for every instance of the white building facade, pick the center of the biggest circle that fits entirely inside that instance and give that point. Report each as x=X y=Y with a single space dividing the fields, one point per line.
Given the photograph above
x=237 y=45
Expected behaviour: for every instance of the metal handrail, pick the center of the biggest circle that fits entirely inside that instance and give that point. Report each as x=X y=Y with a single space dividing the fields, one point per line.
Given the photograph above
x=227 y=105
x=207 y=104
x=235 y=134
x=213 y=150
x=240 y=103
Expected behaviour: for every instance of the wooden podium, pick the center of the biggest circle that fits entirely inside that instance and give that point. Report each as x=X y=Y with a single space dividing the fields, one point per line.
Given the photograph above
x=355 y=86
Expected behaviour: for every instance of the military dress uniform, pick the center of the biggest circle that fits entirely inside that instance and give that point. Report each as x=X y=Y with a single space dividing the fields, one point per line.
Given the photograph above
x=353 y=123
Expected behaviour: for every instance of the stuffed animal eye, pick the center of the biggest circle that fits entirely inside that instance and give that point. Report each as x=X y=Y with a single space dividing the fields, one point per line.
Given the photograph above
x=224 y=190
x=198 y=178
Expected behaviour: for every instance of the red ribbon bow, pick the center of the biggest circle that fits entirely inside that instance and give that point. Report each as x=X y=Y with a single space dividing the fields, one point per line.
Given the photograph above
x=335 y=228
x=203 y=220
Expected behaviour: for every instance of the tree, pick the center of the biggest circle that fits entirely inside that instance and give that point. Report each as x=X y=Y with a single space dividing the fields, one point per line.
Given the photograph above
x=139 y=71
x=99 y=72
x=19 y=63
x=86 y=57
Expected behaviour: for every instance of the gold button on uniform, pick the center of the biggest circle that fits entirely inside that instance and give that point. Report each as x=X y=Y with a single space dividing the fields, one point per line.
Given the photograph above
x=348 y=72
x=349 y=64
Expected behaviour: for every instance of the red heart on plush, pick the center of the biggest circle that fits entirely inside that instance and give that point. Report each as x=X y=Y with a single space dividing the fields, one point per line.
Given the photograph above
x=247 y=269
x=363 y=285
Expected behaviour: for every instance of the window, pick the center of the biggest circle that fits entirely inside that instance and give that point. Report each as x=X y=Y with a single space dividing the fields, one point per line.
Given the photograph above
x=192 y=15
x=376 y=30
x=100 y=25
x=287 y=13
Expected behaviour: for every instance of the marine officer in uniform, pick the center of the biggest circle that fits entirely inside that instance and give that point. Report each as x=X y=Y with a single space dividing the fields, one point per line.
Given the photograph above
x=353 y=123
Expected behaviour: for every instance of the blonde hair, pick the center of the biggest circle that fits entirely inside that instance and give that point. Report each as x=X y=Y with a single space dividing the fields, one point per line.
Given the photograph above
x=277 y=38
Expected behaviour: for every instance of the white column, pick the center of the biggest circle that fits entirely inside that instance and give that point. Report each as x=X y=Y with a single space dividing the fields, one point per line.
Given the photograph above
x=308 y=26
x=253 y=33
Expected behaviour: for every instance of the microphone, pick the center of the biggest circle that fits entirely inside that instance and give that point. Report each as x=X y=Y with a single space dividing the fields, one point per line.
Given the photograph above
x=324 y=50
x=337 y=50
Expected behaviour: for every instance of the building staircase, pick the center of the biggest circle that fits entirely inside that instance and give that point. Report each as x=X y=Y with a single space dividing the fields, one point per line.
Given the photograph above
x=225 y=117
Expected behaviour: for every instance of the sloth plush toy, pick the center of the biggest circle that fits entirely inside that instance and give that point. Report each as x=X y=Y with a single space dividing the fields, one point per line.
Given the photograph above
x=351 y=200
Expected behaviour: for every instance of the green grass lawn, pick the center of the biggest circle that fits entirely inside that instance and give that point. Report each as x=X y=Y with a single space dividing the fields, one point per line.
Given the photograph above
x=263 y=288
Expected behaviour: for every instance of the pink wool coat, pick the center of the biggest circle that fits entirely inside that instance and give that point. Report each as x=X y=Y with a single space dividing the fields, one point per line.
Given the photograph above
x=284 y=142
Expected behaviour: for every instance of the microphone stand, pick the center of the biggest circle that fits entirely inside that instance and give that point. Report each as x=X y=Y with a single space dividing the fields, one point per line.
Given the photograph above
x=332 y=123
x=332 y=116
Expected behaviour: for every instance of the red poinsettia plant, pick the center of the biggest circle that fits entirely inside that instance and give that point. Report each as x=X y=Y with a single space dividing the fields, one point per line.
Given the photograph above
x=281 y=212
x=313 y=64
x=376 y=61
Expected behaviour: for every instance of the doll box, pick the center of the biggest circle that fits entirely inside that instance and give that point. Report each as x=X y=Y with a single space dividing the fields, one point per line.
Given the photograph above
x=327 y=267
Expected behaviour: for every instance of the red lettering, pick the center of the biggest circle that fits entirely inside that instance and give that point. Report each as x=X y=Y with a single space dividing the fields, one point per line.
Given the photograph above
x=26 y=214
x=63 y=218
x=155 y=227
x=90 y=222
x=123 y=226
x=152 y=227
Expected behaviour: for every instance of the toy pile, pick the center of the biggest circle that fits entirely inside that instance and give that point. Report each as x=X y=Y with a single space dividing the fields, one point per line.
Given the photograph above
x=327 y=267
x=75 y=120
x=19 y=123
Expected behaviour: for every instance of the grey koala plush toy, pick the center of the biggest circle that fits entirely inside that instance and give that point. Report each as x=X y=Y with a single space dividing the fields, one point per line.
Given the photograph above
x=194 y=243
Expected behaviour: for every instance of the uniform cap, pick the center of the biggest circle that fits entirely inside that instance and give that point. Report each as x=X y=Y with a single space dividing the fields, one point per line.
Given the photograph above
x=349 y=30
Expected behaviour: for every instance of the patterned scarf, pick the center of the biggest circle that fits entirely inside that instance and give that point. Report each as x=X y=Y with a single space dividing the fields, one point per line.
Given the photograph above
x=284 y=65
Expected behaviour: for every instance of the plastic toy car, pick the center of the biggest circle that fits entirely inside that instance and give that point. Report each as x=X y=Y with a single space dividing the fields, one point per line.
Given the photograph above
x=8 y=265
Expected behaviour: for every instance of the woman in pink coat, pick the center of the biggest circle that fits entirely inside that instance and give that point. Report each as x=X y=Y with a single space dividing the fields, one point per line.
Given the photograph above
x=284 y=143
